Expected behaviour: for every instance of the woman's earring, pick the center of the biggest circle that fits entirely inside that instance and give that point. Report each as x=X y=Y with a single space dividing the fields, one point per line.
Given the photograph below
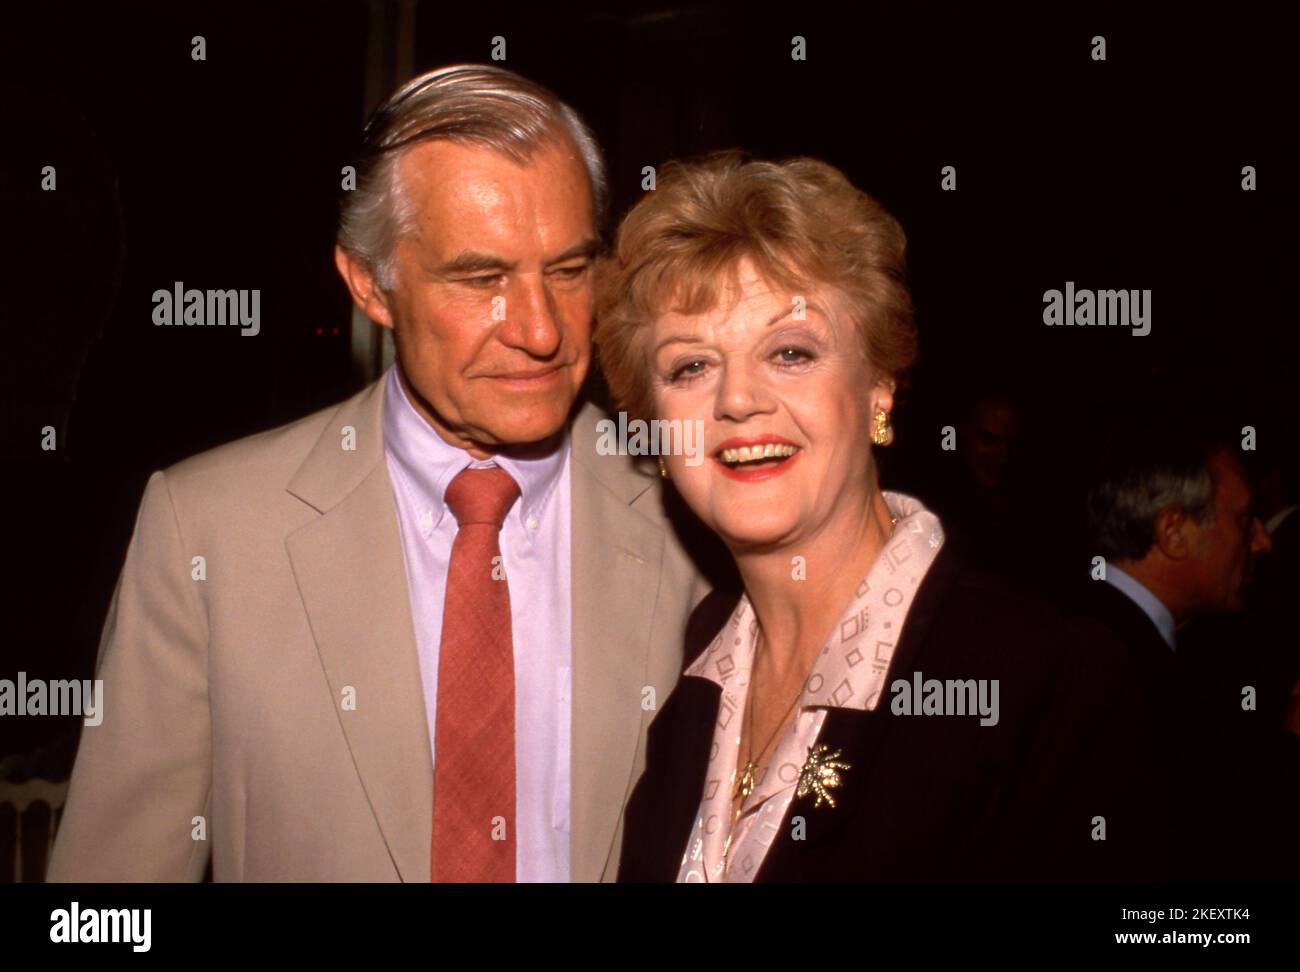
x=663 y=470
x=880 y=435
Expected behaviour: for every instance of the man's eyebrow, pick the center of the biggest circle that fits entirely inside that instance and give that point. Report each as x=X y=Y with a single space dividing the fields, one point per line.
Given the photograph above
x=587 y=248
x=469 y=261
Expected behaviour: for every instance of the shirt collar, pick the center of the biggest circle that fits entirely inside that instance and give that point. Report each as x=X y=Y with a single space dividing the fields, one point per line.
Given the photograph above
x=1277 y=519
x=429 y=463
x=869 y=627
x=1141 y=595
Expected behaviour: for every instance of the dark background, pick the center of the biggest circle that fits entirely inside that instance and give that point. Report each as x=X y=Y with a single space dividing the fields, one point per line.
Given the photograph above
x=225 y=174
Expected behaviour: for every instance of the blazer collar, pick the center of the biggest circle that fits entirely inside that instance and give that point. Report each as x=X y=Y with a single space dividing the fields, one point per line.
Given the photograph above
x=339 y=462
x=716 y=609
x=625 y=479
x=1132 y=626
x=618 y=554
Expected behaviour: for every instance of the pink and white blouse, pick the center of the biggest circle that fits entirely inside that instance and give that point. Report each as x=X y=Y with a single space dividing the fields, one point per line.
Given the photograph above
x=849 y=673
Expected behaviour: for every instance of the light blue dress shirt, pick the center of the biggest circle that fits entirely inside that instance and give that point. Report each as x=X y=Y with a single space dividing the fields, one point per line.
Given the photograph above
x=535 y=551
x=1141 y=595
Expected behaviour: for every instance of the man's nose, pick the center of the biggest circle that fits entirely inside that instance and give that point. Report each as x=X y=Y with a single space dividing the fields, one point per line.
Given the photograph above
x=1260 y=541
x=741 y=393
x=531 y=323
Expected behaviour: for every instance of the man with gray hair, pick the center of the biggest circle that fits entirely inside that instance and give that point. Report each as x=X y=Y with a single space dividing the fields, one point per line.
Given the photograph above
x=1172 y=515
x=420 y=634
x=1174 y=536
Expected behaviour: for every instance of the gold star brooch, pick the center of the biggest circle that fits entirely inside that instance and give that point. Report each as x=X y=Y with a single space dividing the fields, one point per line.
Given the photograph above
x=820 y=774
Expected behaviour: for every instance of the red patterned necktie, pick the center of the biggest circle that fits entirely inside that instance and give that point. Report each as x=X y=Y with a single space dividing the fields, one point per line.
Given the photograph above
x=474 y=735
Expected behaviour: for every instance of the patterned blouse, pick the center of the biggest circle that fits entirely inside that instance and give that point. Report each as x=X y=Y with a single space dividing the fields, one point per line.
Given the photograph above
x=867 y=632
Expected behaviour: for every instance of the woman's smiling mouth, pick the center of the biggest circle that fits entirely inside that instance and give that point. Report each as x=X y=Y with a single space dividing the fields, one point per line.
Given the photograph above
x=757 y=459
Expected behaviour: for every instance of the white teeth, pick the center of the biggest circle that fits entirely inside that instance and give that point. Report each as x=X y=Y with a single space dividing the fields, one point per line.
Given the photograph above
x=770 y=450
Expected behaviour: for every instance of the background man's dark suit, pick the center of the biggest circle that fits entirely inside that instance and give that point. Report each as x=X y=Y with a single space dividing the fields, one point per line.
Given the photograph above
x=1203 y=794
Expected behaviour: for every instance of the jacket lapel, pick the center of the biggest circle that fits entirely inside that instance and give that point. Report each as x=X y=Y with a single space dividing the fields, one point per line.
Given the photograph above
x=858 y=735
x=1130 y=624
x=617 y=555
x=666 y=802
x=351 y=576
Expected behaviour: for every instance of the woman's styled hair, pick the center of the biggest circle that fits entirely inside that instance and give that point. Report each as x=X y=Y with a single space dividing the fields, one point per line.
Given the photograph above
x=801 y=223
x=468 y=103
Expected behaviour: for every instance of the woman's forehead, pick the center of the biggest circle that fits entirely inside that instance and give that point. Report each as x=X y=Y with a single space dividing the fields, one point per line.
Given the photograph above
x=751 y=301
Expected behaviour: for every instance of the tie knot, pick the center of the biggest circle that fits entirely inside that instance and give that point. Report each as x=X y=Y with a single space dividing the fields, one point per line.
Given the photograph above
x=482 y=495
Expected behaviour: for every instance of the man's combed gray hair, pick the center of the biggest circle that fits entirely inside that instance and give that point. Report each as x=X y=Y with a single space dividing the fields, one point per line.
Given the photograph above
x=1145 y=471
x=477 y=104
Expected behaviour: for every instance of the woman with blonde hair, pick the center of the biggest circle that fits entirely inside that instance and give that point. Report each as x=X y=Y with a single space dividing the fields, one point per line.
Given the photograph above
x=869 y=707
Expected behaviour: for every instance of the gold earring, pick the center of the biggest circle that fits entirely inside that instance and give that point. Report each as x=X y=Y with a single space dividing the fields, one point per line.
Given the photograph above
x=663 y=470
x=880 y=434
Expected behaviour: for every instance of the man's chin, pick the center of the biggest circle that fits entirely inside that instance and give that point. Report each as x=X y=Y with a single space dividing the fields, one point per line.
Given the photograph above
x=526 y=429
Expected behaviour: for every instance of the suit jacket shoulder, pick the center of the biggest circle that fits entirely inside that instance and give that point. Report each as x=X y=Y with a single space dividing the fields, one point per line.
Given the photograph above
x=236 y=478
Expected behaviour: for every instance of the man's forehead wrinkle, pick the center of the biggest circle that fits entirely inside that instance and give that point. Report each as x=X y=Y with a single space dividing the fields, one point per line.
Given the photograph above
x=487 y=194
x=471 y=199
x=473 y=182
x=489 y=219
x=424 y=163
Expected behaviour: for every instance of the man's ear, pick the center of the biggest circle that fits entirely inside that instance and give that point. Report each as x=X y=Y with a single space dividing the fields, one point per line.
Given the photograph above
x=365 y=290
x=1173 y=533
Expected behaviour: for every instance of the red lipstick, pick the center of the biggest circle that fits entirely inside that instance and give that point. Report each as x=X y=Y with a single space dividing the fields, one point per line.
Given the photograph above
x=757 y=474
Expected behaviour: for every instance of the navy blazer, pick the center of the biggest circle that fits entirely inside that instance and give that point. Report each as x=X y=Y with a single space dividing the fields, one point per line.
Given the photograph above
x=927 y=797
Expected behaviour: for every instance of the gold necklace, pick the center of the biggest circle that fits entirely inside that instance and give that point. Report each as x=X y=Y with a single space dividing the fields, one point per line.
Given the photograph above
x=749 y=775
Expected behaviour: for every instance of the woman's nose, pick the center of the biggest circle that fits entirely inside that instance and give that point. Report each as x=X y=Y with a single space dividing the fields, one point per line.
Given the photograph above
x=741 y=393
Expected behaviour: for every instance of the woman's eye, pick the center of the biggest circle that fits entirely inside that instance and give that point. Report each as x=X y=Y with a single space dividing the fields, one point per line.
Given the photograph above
x=793 y=355
x=687 y=370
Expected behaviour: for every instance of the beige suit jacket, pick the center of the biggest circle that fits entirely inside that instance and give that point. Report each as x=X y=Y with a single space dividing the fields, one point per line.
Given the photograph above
x=223 y=713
